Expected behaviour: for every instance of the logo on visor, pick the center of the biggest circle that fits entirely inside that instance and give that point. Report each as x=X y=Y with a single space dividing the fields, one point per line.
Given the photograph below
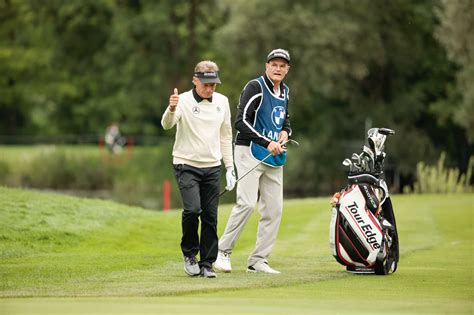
x=278 y=116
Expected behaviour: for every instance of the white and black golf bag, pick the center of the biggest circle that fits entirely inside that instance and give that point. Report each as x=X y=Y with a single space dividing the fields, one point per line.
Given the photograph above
x=363 y=232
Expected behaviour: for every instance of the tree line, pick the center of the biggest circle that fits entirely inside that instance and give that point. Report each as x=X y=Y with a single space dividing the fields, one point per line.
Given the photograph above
x=73 y=67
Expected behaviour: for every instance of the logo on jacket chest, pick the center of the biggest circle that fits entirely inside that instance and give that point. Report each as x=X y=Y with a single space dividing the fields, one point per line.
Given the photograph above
x=196 y=110
x=278 y=116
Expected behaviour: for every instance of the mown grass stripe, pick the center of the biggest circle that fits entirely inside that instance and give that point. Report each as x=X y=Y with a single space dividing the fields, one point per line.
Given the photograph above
x=60 y=246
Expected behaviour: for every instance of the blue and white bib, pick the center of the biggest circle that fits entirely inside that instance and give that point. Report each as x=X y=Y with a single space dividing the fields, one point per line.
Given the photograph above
x=269 y=120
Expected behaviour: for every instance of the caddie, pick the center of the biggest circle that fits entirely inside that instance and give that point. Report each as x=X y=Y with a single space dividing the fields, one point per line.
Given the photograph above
x=263 y=125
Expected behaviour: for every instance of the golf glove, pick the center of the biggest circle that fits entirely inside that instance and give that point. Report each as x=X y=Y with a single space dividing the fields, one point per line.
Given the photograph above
x=230 y=179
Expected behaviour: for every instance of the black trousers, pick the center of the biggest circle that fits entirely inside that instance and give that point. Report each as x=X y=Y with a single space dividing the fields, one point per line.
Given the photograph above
x=199 y=188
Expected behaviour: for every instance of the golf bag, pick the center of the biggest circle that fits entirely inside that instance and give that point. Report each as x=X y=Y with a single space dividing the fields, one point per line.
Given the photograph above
x=363 y=231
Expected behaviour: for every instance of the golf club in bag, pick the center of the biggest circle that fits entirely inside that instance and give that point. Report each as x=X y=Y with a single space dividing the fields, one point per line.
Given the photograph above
x=363 y=232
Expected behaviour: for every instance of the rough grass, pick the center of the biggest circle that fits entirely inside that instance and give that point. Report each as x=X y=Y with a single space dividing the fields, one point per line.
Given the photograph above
x=60 y=253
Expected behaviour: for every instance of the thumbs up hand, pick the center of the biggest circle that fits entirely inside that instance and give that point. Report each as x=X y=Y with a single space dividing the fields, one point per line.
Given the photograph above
x=174 y=98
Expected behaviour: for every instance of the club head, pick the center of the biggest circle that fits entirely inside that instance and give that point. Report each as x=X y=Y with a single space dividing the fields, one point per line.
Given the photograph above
x=289 y=141
x=347 y=162
x=356 y=158
x=368 y=151
x=294 y=142
x=386 y=131
x=365 y=164
x=376 y=140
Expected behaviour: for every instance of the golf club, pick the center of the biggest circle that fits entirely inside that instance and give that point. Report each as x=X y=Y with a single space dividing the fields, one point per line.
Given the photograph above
x=347 y=162
x=356 y=158
x=256 y=165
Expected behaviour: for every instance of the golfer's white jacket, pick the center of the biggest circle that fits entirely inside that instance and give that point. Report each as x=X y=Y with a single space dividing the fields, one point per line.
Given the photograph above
x=204 y=131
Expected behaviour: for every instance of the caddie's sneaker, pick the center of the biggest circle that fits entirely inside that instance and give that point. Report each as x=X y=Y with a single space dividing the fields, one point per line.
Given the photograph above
x=222 y=262
x=208 y=272
x=262 y=266
x=191 y=266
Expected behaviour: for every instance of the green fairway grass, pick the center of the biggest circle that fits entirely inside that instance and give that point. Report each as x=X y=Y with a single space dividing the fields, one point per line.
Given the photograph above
x=67 y=255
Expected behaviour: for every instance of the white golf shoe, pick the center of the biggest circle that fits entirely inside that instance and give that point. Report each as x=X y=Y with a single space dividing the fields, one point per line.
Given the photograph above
x=191 y=266
x=262 y=266
x=222 y=262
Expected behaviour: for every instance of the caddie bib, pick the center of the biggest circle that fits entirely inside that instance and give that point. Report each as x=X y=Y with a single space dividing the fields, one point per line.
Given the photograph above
x=269 y=120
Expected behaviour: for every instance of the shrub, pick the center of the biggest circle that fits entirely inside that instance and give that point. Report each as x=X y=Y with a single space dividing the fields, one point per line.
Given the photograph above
x=440 y=179
x=134 y=177
x=55 y=168
x=4 y=172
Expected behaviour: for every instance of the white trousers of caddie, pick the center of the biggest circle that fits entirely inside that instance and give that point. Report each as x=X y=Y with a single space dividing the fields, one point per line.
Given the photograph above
x=269 y=182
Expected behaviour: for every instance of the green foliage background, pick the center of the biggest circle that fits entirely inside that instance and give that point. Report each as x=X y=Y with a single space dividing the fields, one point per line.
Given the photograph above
x=73 y=67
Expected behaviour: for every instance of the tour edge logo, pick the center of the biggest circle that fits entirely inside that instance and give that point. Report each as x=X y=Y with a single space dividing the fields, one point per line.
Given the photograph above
x=366 y=228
